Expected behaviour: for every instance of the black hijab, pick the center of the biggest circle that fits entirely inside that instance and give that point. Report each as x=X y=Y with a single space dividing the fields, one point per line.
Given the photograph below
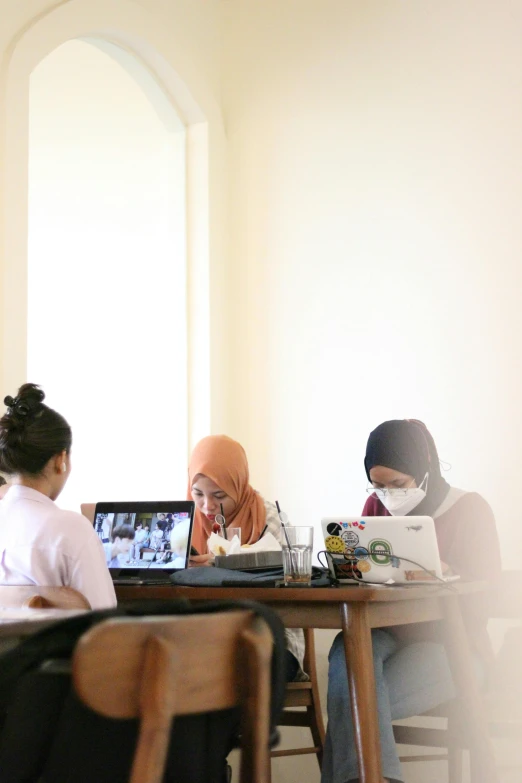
x=406 y=445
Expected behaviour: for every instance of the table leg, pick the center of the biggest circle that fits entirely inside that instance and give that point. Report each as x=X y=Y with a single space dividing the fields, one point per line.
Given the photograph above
x=461 y=664
x=361 y=681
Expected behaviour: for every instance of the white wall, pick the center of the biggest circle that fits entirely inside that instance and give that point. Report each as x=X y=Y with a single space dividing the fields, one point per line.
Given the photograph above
x=375 y=180
x=375 y=186
x=375 y=172
x=375 y=169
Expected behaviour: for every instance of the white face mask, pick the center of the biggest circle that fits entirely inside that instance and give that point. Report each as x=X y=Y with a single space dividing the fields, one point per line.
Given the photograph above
x=400 y=502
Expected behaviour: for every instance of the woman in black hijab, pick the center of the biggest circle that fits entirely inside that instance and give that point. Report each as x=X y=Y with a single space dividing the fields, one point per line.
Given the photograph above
x=402 y=455
x=411 y=670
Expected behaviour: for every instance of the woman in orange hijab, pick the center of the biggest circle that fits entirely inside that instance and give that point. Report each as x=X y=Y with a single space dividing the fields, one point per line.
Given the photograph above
x=219 y=476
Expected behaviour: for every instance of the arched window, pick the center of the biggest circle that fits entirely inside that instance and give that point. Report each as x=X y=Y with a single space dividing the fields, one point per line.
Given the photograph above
x=107 y=335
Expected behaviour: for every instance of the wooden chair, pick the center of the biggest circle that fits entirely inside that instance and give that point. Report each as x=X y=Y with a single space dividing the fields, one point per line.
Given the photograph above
x=88 y=509
x=154 y=668
x=503 y=710
x=305 y=694
x=35 y=597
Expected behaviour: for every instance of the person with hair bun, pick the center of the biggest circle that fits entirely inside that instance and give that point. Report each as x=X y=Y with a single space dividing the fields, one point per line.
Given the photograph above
x=40 y=543
x=4 y=487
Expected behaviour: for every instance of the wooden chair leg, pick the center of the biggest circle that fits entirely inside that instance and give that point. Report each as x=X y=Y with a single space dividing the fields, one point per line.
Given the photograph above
x=455 y=761
x=256 y=643
x=314 y=712
x=157 y=699
x=313 y=719
x=316 y=724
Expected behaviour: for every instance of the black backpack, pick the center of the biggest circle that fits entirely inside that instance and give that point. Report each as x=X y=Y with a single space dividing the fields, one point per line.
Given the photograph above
x=48 y=736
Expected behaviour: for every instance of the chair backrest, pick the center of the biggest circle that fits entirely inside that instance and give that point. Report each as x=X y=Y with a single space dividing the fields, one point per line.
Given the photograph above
x=505 y=603
x=35 y=597
x=155 y=668
x=88 y=510
x=505 y=596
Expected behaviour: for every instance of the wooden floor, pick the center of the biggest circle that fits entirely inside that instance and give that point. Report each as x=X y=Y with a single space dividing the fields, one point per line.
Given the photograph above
x=303 y=769
x=508 y=756
x=433 y=772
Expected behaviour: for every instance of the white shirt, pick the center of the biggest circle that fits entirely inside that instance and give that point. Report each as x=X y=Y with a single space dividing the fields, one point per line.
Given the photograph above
x=140 y=536
x=44 y=545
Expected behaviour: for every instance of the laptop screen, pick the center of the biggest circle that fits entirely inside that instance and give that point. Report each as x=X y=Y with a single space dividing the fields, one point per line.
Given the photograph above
x=145 y=535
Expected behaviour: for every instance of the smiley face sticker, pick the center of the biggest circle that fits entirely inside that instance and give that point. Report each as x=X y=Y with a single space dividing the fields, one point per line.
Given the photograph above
x=334 y=544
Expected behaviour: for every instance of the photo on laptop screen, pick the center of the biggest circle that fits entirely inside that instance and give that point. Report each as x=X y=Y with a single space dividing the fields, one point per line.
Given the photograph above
x=145 y=535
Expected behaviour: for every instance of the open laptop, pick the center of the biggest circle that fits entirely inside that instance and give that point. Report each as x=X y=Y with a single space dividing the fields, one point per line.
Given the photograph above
x=383 y=550
x=145 y=542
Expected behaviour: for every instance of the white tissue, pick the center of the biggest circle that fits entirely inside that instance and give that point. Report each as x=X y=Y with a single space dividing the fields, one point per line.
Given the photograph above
x=266 y=544
x=219 y=546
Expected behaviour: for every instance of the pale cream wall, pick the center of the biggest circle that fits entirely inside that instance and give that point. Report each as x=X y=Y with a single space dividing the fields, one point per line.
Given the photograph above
x=376 y=184
x=375 y=188
x=374 y=238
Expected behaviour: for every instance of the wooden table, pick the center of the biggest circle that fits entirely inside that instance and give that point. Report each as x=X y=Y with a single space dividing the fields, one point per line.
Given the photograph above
x=16 y=624
x=356 y=610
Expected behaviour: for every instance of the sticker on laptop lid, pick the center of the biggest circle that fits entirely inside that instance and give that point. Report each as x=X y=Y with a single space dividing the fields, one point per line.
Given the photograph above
x=420 y=576
x=345 y=567
x=357 y=524
x=334 y=544
x=381 y=552
x=350 y=538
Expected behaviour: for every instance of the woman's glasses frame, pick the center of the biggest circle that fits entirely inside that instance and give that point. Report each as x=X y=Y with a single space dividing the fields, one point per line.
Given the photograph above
x=400 y=491
x=383 y=491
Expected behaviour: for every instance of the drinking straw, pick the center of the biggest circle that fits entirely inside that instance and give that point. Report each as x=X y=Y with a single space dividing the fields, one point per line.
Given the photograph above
x=283 y=525
x=263 y=532
x=293 y=555
x=223 y=524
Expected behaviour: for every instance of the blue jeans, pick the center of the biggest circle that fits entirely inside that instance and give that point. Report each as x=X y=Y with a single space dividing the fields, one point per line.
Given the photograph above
x=409 y=680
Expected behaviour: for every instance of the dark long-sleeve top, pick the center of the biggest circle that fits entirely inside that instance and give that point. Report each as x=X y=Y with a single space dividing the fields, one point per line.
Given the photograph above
x=468 y=542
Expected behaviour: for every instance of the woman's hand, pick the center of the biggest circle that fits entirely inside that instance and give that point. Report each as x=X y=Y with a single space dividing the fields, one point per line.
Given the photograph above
x=201 y=560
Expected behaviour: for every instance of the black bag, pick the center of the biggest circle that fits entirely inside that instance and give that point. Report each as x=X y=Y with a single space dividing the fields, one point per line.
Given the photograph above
x=227 y=577
x=48 y=736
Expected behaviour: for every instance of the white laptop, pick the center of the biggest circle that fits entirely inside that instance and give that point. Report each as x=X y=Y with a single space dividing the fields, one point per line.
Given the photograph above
x=383 y=550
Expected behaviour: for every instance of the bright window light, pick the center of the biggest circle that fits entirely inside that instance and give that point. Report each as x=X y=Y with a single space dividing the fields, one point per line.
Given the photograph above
x=107 y=272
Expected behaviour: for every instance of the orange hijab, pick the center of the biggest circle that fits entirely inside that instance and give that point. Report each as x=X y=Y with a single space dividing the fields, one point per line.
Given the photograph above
x=224 y=461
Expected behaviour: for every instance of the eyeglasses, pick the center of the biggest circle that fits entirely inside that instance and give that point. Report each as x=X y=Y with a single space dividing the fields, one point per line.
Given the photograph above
x=383 y=491
x=398 y=491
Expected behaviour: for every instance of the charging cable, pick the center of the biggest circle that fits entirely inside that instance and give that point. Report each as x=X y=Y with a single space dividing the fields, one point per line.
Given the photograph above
x=351 y=558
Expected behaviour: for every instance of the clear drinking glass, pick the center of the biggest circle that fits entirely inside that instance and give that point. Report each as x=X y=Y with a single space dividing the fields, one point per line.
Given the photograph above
x=297 y=543
x=233 y=531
